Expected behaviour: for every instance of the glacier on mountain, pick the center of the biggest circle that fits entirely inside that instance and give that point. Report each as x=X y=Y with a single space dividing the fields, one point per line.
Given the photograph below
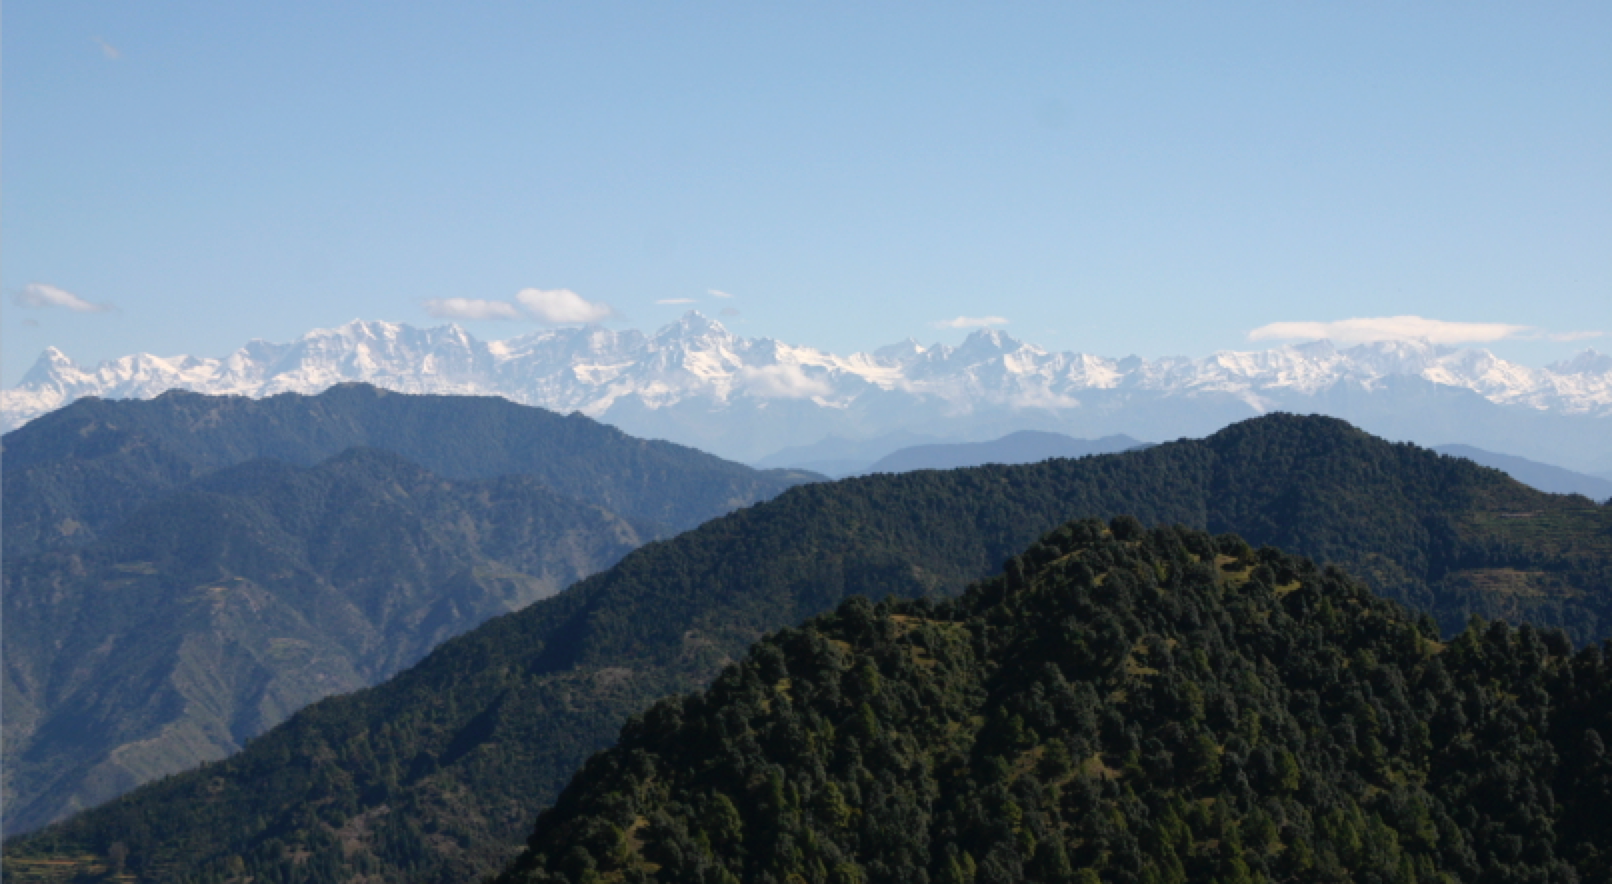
x=697 y=383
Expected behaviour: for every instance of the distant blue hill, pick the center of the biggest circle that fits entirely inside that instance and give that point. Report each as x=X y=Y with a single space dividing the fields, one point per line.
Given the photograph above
x=1025 y=446
x=838 y=457
x=1538 y=475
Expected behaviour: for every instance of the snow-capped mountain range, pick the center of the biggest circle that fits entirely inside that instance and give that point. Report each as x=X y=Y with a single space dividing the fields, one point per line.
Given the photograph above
x=697 y=383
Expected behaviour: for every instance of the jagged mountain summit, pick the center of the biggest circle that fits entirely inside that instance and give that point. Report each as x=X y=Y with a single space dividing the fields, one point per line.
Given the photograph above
x=697 y=383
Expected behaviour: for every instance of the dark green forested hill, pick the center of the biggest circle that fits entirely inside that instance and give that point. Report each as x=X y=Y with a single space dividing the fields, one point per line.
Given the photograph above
x=75 y=473
x=1122 y=706
x=215 y=612
x=320 y=576
x=437 y=774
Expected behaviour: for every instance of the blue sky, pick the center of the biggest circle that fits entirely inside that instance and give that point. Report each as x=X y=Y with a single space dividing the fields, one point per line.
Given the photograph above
x=1158 y=179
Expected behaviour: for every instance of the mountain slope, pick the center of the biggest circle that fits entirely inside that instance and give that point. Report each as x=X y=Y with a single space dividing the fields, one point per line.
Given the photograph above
x=1542 y=476
x=76 y=472
x=169 y=593
x=697 y=383
x=211 y=615
x=1122 y=706
x=436 y=774
x=1025 y=446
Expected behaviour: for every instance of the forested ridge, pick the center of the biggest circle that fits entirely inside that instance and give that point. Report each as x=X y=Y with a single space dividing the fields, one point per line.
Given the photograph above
x=437 y=774
x=1121 y=706
x=75 y=473
x=182 y=573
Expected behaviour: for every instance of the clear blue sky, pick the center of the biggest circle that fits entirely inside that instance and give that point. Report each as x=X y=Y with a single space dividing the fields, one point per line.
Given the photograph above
x=1158 y=178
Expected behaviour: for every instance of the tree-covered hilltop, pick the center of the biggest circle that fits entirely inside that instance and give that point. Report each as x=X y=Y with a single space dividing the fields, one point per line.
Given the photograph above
x=214 y=613
x=438 y=773
x=182 y=573
x=75 y=473
x=1121 y=706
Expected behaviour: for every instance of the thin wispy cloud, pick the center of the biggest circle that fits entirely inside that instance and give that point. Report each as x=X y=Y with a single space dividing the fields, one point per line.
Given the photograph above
x=471 y=308
x=551 y=307
x=562 y=307
x=107 y=49
x=715 y=293
x=1393 y=328
x=677 y=301
x=39 y=294
x=970 y=322
x=1573 y=336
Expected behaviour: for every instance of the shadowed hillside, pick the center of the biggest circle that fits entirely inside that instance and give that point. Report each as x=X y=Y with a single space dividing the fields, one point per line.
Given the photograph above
x=437 y=774
x=181 y=574
x=74 y=473
x=217 y=611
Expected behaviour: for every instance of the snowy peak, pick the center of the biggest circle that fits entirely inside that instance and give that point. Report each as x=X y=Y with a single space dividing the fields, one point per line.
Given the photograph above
x=1395 y=357
x=48 y=368
x=988 y=341
x=693 y=326
x=1588 y=362
x=697 y=363
x=898 y=354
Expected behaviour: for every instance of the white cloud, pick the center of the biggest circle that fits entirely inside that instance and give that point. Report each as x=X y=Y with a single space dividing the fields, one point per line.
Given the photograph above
x=718 y=294
x=677 y=301
x=107 y=49
x=562 y=307
x=557 y=307
x=782 y=382
x=471 y=308
x=38 y=294
x=970 y=322
x=1573 y=336
x=1391 y=328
